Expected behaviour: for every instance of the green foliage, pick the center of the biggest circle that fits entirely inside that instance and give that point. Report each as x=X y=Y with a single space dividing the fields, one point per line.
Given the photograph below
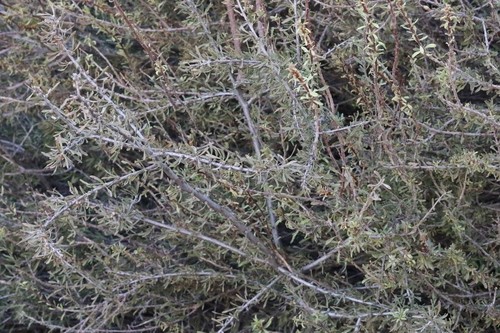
x=238 y=166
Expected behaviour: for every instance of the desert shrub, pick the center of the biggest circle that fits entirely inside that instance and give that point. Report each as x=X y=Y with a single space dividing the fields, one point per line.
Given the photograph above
x=239 y=166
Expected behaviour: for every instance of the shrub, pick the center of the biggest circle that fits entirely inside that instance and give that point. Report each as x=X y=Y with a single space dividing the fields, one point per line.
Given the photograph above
x=248 y=166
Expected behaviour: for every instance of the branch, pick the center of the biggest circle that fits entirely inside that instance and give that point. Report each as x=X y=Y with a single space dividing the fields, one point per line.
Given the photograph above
x=224 y=211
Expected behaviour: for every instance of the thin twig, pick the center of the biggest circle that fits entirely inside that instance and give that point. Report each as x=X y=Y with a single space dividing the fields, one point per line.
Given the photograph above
x=205 y=238
x=346 y=128
x=245 y=306
x=324 y=257
x=96 y=189
x=233 y=26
